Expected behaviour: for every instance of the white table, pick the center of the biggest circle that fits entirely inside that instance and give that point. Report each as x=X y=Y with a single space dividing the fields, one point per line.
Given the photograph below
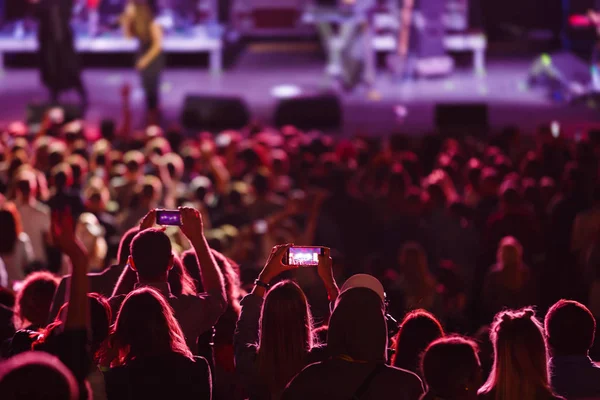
x=120 y=44
x=475 y=43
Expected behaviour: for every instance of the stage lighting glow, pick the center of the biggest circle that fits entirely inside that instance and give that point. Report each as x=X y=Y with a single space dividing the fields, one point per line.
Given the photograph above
x=546 y=60
x=400 y=111
x=285 y=91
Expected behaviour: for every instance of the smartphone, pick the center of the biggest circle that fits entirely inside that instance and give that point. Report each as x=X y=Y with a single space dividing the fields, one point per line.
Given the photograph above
x=168 y=217
x=304 y=256
x=260 y=227
x=555 y=129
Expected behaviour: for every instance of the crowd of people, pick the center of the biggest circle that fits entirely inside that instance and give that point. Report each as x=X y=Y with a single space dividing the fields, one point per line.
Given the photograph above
x=486 y=251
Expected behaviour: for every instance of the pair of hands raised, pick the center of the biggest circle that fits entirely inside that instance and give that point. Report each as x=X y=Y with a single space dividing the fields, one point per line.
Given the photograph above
x=275 y=266
x=191 y=222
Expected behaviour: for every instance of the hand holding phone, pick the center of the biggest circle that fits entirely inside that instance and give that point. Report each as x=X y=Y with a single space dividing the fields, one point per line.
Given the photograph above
x=276 y=264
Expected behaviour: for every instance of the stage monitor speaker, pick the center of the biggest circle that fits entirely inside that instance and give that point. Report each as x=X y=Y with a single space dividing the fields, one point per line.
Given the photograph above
x=35 y=112
x=214 y=113
x=462 y=119
x=310 y=112
x=563 y=74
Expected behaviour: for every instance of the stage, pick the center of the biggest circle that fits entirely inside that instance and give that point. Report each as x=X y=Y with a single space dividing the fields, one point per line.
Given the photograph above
x=260 y=72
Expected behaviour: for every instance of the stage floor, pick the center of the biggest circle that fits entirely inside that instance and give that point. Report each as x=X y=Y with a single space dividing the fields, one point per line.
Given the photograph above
x=256 y=73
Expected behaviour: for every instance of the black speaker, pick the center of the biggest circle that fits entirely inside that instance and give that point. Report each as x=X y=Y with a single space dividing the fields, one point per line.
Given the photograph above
x=462 y=118
x=310 y=112
x=214 y=113
x=35 y=112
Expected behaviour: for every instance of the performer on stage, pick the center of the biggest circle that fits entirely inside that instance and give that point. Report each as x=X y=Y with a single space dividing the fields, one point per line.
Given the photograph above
x=138 y=21
x=59 y=64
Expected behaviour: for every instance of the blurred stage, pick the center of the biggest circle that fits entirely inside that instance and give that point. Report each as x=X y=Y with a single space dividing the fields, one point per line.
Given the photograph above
x=390 y=106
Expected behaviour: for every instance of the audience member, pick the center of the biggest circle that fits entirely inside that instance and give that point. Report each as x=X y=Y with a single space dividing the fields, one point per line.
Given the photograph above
x=520 y=368
x=357 y=344
x=417 y=330
x=37 y=376
x=151 y=258
x=15 y=246
x=451 y=369
x=509 y=284
x=571 y=329
x=35 y=216
x=281 y=327
x=148 y=354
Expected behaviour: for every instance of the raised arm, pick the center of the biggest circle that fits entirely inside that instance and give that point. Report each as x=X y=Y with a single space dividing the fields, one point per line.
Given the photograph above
x=192 y=228
x=325 y=270
x=63 y=230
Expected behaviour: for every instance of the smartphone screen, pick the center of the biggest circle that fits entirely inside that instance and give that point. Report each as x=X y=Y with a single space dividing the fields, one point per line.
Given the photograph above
x=304 y=256
x=168 y=217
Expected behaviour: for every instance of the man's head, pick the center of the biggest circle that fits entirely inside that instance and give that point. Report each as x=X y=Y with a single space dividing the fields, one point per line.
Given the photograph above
x=151 y=255
x=570 y=328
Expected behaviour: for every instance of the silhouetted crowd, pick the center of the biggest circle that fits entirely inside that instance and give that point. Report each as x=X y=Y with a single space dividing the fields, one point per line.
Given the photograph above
x=452 y=268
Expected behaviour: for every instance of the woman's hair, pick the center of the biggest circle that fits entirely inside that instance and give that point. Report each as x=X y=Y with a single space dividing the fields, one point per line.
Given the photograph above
x=451 y=368
x=180 y=280
x=100 y=318
x=144 y=15
x=413 y=261
x=34 y=300
x=10 y=228
x=229 y=269
x=231 y=273
x=510 y=252
x=418 y=329
x=285 y=335
x=520 y=369
x=145 y=326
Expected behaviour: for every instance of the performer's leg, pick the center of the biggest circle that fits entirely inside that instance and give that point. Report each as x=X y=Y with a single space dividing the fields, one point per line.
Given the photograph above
x=151 y=84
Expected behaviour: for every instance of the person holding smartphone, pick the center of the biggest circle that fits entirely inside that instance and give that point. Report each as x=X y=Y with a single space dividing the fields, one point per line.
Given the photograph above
x=138 y=21
x=273 y=339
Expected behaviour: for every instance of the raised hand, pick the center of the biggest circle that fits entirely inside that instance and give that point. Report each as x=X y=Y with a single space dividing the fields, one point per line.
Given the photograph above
x=325 y=270
x=275 y=265
x=63 y=231
x=148 y=221
x=191 y=223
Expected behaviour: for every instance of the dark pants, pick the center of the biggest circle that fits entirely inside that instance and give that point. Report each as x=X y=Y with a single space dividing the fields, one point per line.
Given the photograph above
x=150 y=77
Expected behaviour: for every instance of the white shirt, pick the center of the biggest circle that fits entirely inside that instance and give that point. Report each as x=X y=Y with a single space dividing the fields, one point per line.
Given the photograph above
x=35 y=218
x=21 y=256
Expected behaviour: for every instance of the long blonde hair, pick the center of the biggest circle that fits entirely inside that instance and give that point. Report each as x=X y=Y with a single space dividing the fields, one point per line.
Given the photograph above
x=142 y=22
x=520 y=369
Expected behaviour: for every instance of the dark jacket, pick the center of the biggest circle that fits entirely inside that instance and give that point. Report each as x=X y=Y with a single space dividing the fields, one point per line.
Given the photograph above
x=357 y=342
x=172 y=376
x=575 y=377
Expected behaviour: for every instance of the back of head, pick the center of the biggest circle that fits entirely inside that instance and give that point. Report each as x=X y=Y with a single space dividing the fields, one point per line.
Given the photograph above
x=570 y=328
x=520 y=368
x=285 y=334
x=510 y=252
x=146 y=327
x=37 y=375
x=357 y=328
x=151 y=253
x=34 y=300
x=451 y=368
x=418 y=329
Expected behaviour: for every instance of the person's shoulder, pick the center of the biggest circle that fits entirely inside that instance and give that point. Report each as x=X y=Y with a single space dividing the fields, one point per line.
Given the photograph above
x=404 y=376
